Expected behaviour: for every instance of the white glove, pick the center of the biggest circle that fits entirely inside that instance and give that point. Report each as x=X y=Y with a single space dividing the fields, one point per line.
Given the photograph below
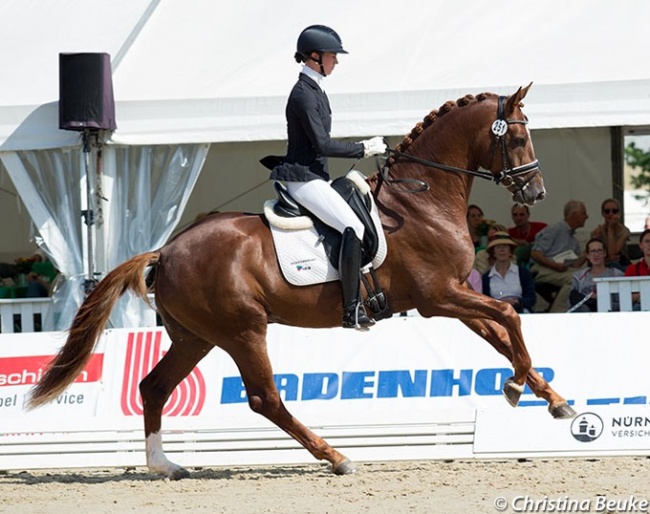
x=374 y=146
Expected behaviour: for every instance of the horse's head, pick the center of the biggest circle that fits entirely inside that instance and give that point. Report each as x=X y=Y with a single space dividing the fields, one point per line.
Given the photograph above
x=508 y=150
x=486 y=131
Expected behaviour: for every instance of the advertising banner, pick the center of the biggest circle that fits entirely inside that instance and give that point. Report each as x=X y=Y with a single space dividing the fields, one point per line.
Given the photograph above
x=411 y=386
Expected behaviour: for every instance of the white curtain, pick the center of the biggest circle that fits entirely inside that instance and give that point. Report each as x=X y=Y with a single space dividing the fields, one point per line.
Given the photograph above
x=137 y=195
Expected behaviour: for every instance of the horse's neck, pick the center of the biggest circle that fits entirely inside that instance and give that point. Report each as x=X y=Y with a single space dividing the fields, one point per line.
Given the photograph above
x=441 y=208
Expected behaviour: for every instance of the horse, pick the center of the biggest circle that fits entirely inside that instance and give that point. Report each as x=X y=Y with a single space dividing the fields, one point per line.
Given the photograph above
x=218 y=283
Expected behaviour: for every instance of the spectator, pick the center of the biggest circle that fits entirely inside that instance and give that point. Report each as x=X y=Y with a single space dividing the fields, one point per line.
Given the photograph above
x=524 y=232
x=41 y=278
x=613 y=233
x=482 y=259
x=641 y=268
x=474 y=280
x=505 y=280
x=556 y=253
x=583 y=288
x=476 y=225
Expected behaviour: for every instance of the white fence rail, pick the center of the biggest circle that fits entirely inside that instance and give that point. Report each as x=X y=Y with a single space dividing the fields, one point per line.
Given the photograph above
x=93 y=445
x=33 y=315
x=625 y=288
x=25 y=315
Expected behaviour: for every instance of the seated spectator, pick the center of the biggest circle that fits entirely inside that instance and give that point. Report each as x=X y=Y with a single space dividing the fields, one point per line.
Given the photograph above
x=642 y=267
x=613 y=233
x=506 y=281
x=482 y=259
x=556 y=253
x=524 y=232
x=583 y=296
x=478 y=226
x=475 y=224
x=41 y=277
x=474 y=280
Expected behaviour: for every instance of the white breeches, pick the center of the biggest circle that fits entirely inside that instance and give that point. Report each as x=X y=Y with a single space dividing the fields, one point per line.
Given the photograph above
x=319 y=197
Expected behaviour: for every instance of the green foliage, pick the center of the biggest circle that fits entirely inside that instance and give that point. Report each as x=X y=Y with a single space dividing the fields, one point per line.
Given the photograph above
x=639 y=160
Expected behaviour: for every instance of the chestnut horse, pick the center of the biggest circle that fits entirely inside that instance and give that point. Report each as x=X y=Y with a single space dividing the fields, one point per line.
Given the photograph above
x=218 y=283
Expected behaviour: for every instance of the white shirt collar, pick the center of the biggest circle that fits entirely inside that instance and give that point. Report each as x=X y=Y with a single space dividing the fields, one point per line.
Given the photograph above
x=314 y=75
x=511 y=269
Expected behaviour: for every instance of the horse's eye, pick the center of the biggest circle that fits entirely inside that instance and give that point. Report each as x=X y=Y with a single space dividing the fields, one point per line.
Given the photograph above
x=519 y=141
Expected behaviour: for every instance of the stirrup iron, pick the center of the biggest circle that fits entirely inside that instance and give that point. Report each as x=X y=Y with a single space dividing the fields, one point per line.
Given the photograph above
x=357 y=318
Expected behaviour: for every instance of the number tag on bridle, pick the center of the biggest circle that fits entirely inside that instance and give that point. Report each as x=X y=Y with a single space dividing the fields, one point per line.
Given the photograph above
x=499 y=127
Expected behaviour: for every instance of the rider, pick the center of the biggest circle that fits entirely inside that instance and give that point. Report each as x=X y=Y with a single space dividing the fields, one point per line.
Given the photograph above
x=304 y=168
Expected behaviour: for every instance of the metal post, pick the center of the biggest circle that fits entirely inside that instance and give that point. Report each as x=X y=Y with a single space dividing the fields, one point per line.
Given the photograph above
x=89 y=215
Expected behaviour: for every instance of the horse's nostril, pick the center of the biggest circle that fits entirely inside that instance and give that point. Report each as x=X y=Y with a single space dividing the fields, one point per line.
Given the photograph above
x=541 y=196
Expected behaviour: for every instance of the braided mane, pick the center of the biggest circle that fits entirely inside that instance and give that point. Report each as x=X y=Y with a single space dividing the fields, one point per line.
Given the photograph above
x=433 y=116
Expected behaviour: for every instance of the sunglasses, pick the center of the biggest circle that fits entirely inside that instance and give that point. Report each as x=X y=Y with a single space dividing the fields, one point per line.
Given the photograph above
x=610 y=211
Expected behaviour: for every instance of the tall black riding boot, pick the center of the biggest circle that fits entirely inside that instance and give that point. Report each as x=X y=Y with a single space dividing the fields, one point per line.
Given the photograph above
x=354 y=316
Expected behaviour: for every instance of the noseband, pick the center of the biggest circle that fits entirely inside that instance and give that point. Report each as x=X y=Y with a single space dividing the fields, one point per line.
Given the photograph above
x=505 y=176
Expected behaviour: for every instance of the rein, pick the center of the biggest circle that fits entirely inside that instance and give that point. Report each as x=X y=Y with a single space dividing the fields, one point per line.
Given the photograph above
x=505 y=176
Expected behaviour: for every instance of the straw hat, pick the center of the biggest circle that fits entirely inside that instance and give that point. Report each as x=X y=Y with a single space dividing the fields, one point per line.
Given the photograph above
x=501 y=238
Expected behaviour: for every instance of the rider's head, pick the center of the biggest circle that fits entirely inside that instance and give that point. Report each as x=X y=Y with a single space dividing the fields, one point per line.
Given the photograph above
x=316 y=41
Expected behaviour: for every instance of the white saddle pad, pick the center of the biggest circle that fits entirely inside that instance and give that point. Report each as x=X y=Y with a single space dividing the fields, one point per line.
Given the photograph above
x=300 y=251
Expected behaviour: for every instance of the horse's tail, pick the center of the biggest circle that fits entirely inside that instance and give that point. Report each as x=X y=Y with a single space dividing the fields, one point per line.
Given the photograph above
x=88 y=325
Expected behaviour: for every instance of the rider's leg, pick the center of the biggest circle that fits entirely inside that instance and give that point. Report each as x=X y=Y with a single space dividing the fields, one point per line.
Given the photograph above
x=326 y=204
x=319 y=197
x=354 y=316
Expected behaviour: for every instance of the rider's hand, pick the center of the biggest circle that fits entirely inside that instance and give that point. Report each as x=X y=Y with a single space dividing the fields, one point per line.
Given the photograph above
x=374 y=146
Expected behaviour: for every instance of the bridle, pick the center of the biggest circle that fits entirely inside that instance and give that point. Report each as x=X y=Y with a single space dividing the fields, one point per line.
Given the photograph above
x=505 y=177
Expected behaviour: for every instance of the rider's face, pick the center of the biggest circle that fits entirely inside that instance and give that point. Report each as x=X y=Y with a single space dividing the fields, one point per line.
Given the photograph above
x=329 y=61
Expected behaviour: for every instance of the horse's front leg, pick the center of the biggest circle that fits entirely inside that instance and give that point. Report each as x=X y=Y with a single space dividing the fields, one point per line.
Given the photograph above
x=464 y=303
x=460 y=302
x=497 y=336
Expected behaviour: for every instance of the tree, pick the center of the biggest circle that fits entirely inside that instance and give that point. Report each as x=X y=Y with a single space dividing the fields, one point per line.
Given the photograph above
x=639 y=160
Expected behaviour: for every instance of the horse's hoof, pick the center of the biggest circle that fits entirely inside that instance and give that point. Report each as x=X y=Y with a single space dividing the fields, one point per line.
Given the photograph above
x=179 y=473
x=562 y=411
x=512 y=391
x=344 y=468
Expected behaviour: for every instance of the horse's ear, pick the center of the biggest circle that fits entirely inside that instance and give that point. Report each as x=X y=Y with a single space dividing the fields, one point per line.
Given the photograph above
x=514 y=100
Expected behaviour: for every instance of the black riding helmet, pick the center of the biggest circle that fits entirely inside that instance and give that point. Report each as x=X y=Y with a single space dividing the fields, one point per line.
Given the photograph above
x=317 y=38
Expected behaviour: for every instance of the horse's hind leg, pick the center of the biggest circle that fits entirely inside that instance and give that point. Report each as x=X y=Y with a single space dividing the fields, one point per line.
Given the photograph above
x=156 y=387
x=263 y=398
x=497 y=336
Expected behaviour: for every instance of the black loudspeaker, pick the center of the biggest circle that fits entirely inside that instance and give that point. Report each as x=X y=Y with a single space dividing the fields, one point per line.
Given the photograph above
x=86 y=92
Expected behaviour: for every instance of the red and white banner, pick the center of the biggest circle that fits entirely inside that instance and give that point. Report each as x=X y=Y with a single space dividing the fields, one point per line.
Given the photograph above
x=405 y=372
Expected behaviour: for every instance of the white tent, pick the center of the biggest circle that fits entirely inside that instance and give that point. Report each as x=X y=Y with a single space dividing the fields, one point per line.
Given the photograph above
x=209 y=71
x=216 y=72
